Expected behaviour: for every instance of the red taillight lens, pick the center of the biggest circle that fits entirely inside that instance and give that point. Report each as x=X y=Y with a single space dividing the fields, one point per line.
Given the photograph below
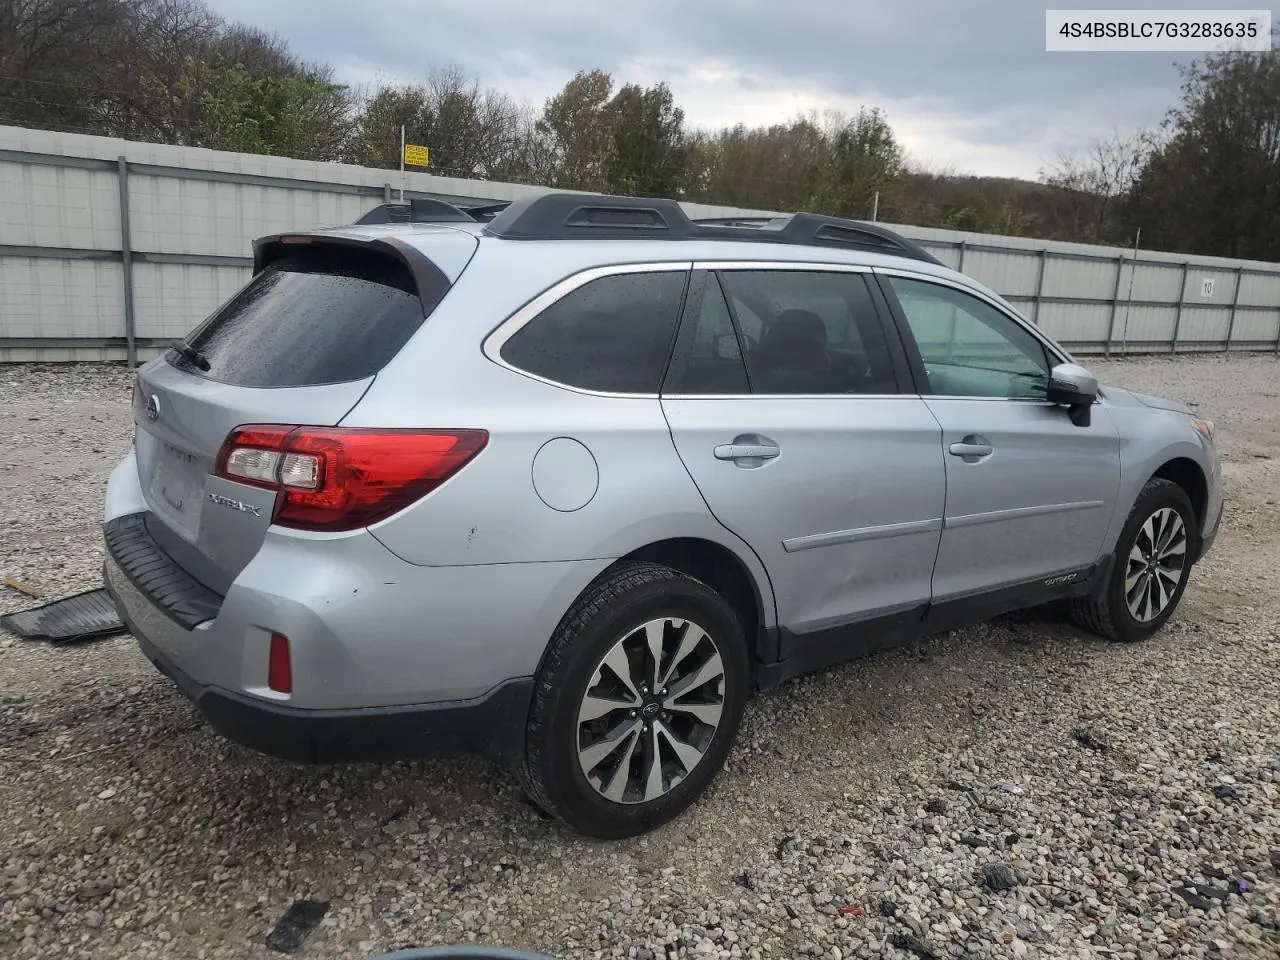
x=334 y=478
x=280 y=665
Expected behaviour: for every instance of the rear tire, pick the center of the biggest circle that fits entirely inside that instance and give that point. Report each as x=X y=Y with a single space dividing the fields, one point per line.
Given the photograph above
x=1150 y=570
x=620 y=740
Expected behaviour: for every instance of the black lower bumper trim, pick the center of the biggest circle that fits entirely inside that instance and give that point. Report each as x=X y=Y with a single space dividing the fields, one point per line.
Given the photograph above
x=178 y=595
x=1206 y=541
x=491 y=726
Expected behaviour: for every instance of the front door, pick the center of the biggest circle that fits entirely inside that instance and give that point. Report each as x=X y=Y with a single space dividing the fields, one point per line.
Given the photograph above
x=1029 y=494
x=784 y=405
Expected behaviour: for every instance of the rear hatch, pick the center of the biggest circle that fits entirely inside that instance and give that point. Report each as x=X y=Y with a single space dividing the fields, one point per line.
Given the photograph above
x=299 y=344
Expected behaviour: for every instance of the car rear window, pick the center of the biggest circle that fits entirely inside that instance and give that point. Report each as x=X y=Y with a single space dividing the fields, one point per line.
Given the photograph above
x=326 y=315
x=612 y=334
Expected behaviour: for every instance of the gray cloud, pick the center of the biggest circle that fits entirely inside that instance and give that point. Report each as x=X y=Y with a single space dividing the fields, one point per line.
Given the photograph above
x=966 y=84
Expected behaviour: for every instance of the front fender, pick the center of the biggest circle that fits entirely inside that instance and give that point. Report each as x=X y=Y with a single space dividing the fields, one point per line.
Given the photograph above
x=1149 y=439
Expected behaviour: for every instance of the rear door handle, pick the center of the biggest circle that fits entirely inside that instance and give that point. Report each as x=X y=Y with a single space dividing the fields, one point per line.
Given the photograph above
x=972 y=448
x=748 y=450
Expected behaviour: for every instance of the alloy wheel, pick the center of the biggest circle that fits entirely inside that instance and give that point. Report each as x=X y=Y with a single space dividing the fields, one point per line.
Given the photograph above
x=1156 y=564
x=651 y=710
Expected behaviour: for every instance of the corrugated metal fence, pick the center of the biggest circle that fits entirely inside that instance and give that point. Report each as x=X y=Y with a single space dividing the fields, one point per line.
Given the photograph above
x=109 y=248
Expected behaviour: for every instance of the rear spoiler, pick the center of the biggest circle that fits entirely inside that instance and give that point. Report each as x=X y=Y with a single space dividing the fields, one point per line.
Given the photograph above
x=430 y=280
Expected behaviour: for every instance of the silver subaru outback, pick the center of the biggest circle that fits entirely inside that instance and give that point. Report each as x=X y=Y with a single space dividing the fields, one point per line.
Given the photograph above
x=565 y=483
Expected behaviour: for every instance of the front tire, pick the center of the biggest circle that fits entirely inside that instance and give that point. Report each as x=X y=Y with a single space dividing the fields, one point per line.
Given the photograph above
x=637 y=702
x=1151 y=567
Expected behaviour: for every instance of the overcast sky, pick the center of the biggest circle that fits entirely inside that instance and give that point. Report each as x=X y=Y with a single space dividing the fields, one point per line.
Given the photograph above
x=965 y=85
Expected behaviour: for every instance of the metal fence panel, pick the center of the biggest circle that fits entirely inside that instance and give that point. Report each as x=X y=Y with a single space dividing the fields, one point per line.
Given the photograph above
x=1203 y=327
x=1076 y=325
x=1145 y=325
x=1256 y=328
x=1154 y=282
x=172 y=298
x=1260 y=290
x=48 y=206
x=1079 y=278
x=1008 y=273
x=108 y=246
x=45 y=297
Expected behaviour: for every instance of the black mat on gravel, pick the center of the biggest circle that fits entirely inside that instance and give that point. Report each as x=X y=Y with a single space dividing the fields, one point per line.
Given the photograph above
x=86 y=616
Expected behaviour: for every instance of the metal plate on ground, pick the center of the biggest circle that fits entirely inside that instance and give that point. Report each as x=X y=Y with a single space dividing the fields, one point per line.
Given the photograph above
x=86 y=616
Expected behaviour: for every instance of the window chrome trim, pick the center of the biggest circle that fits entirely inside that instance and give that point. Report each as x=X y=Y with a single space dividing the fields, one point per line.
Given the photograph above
x=1053 y=348
x=497 y=338
x=791 y=396
x=812 y=266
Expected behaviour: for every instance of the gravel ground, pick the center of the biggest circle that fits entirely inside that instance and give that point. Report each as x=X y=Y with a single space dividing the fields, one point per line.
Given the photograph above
x=1017 y=789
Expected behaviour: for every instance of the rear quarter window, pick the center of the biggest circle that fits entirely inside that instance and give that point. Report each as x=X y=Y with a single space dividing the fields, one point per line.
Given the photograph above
x=612 y=334
x=324 y=315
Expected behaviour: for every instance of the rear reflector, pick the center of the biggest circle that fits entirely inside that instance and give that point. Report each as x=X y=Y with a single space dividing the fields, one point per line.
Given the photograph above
x=334 y=478
x=280 y=665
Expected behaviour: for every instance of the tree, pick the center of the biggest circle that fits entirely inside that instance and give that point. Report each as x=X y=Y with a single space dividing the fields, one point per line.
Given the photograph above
x=1089 y=187
x=764 y=168
x=45 y=47
x=233 y=108
x=575 y=131
x=164 y=70
x=865 y=158
x=470 y=131
x=1213 y=186
x=648 y=151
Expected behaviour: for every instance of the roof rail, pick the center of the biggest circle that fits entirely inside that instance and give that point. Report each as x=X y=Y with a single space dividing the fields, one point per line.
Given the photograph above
x=577 y=216
x=431 y=210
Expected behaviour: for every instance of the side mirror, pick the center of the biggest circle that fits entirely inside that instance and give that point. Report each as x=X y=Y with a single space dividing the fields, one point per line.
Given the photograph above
x=1073 y=386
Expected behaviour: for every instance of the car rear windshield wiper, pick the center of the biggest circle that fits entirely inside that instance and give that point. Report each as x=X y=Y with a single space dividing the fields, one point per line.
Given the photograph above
x=190 y=353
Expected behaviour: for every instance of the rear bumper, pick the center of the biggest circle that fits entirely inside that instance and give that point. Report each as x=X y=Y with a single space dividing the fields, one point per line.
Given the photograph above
x=390 y=659
x=492 y=725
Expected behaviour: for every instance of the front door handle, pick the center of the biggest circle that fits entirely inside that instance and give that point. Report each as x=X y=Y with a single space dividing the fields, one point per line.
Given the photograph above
x=748 y=450
x=972 y=448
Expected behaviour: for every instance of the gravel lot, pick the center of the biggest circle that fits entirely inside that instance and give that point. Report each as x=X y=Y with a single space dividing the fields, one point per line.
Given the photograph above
x=1018 y=789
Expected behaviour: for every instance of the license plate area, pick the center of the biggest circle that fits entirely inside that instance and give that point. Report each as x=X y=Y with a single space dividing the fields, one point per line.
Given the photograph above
x=177 y=486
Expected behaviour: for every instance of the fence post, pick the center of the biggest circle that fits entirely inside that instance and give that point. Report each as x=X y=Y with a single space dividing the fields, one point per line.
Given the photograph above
x=126 y=261
x=386 y=193
x=1235 y=300
x=960 y=265
x=1035 y=311
x=1115 y=302
x=1177 y=317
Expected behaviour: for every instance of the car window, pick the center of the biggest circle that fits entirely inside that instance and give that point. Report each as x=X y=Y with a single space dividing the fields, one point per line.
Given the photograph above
x=969 y=348
x=810 y=332
x=612 y=334
x=714 y=363
x=324 y=315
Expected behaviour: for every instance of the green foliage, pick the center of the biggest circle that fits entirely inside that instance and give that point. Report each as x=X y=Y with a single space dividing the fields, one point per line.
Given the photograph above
x=574 y=132
x=471 y=132
x=1213 y=185
x=173 y=71
x=648 y=153
x=763 y=168
x=864 y=159
x=231 y=108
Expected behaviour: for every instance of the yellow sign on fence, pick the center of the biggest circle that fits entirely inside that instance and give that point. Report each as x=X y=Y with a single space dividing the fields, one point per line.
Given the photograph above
x=415 y=155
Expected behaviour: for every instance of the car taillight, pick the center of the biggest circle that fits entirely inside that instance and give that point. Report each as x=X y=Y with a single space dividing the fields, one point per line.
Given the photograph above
x=336 y=478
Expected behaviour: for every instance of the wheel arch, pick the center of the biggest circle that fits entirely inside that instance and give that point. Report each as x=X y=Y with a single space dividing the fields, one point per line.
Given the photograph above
x=1189 y=475
x=728 y=574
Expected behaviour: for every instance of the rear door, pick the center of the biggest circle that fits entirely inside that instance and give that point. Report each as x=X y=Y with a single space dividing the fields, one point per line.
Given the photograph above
x=784 y=404
x=299 y=344
x=1029 y=493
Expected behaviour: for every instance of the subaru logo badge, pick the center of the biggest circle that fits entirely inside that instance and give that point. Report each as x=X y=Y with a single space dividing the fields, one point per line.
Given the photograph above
x=153 y=408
